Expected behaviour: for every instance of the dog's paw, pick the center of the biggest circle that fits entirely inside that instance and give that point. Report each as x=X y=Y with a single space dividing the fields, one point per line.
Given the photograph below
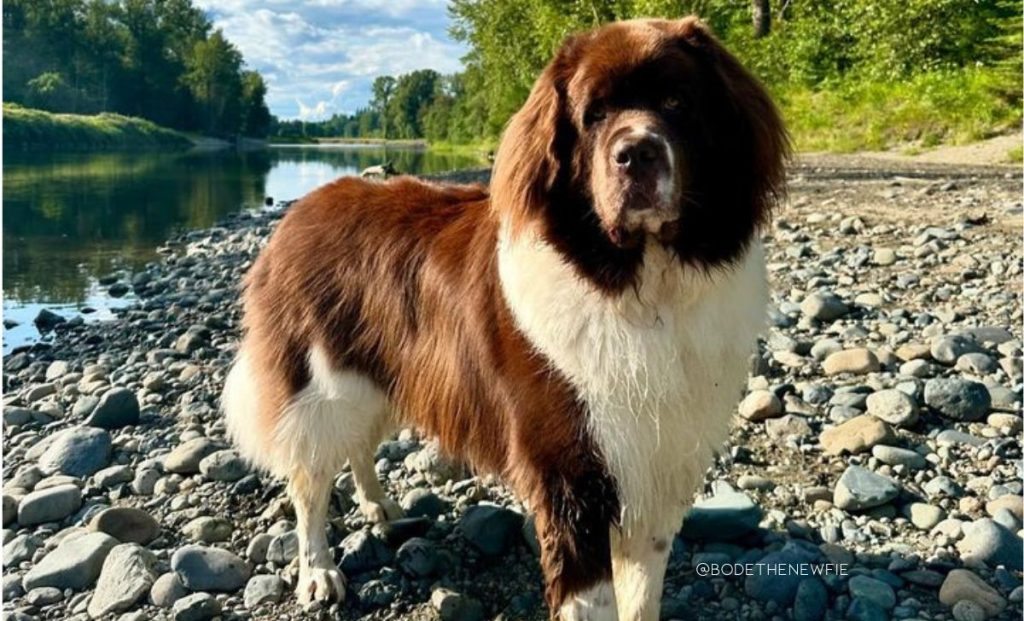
x=319 y=586
x=384 y=511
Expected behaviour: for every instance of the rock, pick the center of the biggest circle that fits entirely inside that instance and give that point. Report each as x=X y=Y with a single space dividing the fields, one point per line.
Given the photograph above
x=420 y=502
x=782 y=588
x=263 y=590
x=759 y=405
x=209 y=569
x=811 y=600
x=196 y=607
x=895 y=456
x=84 y=406
x=952 y=437
x=857 y=435
x=47 y=320
x=363 y=551
x=893 y=407
x=489 y=528
x=185 y=458
x=854 y=361
x=860 y=488
x=976 y=364
x=283 y=548
x=787 y=426
x=967 y=610
x=166 y=590
x=923 y=515
x=206 y=529
x=225 y=465
x=20 y=549
x=1011 y=502
x=126 y=524
x=823 y=307
x=112 y=476
x=78 y=451
x=419 y=557
x=74 y=564
x=127 y=575
x=44 y=596
x=865 y=610
x=722 y=517
x=958 y=399
x=118 y=407
x=258 y=547
x=962 y=584
x=872 y=590
x=10 y=510
x=452 y=606
x=49 y=505
x=947 y=349
x=144 y=482
x=989 y=542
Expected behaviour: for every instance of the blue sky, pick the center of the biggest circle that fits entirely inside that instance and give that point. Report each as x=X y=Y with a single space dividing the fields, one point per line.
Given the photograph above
x=321 y=56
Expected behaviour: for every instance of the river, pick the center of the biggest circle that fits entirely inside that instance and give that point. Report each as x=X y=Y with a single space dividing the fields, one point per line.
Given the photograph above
x=74 y=222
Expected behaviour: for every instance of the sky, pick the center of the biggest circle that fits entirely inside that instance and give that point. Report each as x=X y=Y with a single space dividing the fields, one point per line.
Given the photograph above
x=320 y=57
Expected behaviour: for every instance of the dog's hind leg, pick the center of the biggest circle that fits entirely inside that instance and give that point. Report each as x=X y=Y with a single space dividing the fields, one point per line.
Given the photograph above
x=320 y=580
x=374 y=503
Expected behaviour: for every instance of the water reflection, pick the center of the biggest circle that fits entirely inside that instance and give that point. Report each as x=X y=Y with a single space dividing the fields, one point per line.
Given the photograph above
x=69 y=219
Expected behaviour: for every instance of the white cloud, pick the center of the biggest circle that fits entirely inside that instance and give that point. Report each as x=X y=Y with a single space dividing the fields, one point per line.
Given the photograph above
x=329 y=51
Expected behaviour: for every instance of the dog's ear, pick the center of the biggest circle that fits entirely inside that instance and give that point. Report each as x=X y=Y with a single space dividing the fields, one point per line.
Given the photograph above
x=750 y=137
x=527 y=163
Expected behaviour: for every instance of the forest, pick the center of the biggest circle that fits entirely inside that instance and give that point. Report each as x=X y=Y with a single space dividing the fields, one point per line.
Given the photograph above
x=848 y=74
x=160 y=60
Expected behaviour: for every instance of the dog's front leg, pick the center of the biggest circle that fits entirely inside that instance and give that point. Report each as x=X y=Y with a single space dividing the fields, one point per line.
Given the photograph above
x=639 y=558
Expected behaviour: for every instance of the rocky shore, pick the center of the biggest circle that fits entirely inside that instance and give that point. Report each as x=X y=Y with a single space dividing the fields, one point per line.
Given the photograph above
x=875 y=462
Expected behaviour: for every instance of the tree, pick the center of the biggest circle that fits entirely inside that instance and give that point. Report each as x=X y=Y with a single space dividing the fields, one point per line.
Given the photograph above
x=255 y=114
x=762 y=11
x=383 y=89
x=214 y=80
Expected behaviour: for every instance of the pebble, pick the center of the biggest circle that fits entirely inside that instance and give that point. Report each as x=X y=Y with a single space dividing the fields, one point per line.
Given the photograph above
x=895 y=456
x=226 y=465
x=52 y=504
x=452 y=606
x=957 y=399
x=206 y=529
x=860 y=488
x=893 y=407
x=196 y=607
x=489 y=528
x=421 y=502
x=127 y=576
x=185 y=458
x=118 y=407
x=363 y=551
x=947 y=349
x=126 y=524
x=166 y=590
x=854 y=361
x=963 y=584
x=872 y=590
x=990 y=543
x=74 y=564
x=781 y=588
x=857 y=435
x=20 y=549
x=209 y=569
x=823 y=307
x=759 y=405
x=78 y=451
x=923 y=515
x=263 y=590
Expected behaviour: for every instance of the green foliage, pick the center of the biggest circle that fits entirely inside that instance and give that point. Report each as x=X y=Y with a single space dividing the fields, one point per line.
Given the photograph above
x=28 y=129
x=154 y=59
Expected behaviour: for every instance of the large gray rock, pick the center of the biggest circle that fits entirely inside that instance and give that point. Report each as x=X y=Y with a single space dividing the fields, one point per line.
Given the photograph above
x=126 y=524
x=263 y=590
x=185 y=458
x=894 y=407
x=722 y=517
x=225 y=465
x=823 y=306
x=74 y=564
x=126 y=577
x=860 y=488
x=957 y=398
x=989 y=542
x=209 y=569
x=489 y=528
x=166 y=590
x=782 y=588
x=196 y=607
x=79 y=452
x=363 y=551
x=118 y=407
x=52 y=504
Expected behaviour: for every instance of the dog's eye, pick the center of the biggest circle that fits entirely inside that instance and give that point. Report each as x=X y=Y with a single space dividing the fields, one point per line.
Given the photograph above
x=671 y=104
x=594 y=114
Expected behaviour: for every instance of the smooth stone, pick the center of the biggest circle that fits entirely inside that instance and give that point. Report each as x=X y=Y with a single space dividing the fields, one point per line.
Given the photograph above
x=126 y=577
x=452 y=606
x=811 y=600
x=957 y=399
x=823 y=307
x=419 y=557
x=52 y=504
x=166 y=590
x=872 y=590
x=895 y=456
x=489 y=528
x=722 y=517
x=112 y=476
x=78 y=451
x=989 y=542
x=209 y=569
x=207 y=529
x=947 y=349
x=20 y=549
x=760 y=405
x=44 y=596
x=196 y=607
x=963 y=584
x=421 y=502
x=923 y=515
x=185 y=458
x=74 y=564
x=782 y=588
x=859 y=488
x=1011 y=502
x=363 y=551
x=118 y=407
x=968 y=610
x=263 y=590
x=857 y=435
x=226 y=465
x=855 y=361
x=893 y=407
x=283 y=548
x=126 y=524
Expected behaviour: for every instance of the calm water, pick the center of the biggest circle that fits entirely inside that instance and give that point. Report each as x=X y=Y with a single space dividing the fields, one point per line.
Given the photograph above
x=71 y=219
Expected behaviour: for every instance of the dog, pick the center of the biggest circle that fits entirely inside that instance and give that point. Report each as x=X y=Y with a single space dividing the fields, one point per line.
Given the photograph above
x=581 y=328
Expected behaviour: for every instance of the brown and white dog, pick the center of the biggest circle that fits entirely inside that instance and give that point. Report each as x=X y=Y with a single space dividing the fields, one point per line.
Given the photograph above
x=581 y=329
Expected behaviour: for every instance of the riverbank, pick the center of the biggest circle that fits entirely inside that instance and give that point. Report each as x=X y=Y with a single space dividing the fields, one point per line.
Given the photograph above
x=878 y=442
x=26 y=129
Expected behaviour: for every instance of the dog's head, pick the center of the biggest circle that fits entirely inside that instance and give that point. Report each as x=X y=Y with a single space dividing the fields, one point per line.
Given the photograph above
x=644 y=129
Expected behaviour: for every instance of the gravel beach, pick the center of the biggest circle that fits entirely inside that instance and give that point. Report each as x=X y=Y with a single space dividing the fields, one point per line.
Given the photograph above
x=875 y=460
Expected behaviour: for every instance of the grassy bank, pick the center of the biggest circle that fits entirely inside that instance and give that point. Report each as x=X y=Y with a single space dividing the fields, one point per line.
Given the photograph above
x=26 y=129
x=925 y=111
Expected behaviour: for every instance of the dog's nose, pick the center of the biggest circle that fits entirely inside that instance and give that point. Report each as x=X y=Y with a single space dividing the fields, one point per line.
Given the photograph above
x=634 y=154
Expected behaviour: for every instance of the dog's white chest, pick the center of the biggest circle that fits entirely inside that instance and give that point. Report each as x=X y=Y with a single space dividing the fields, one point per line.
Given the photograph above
x=660 y=368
